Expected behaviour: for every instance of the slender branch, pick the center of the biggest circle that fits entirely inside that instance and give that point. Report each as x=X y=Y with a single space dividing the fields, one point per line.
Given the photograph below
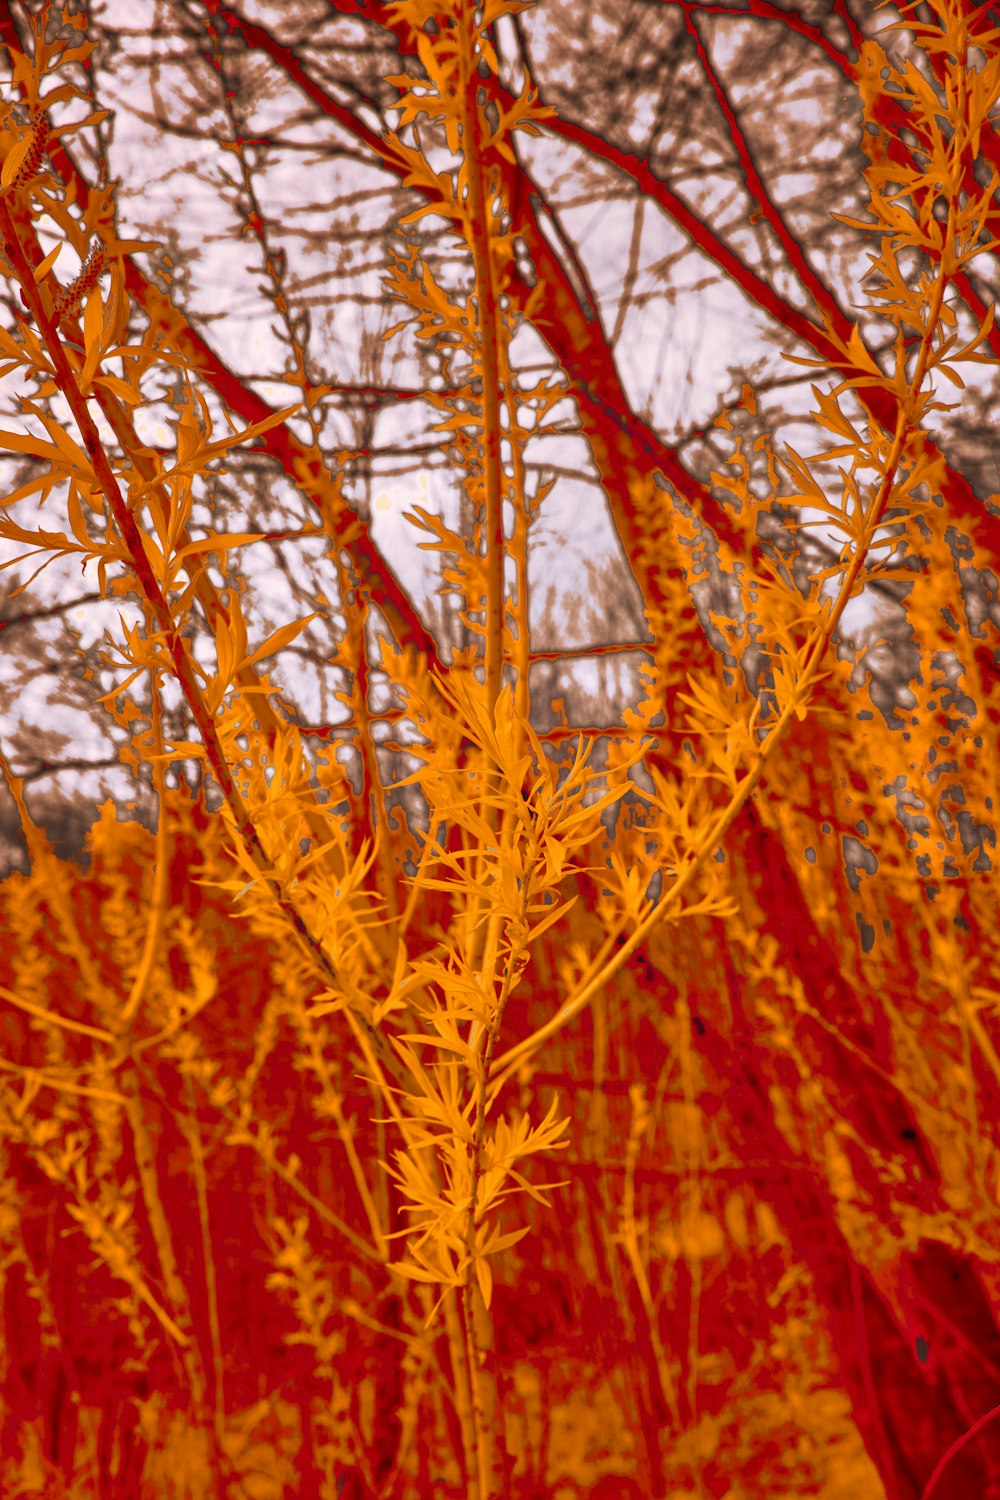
x=624 y=445
x=711 y=838
x=142 y=568
x=303 y=464
x=955 y=1448
x=480 y=233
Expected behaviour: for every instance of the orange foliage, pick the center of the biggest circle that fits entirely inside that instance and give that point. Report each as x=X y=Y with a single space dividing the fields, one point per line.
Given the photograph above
x=614 y=1112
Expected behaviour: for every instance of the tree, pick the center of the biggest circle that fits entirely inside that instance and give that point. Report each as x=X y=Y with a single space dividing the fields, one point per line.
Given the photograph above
x=407 y=897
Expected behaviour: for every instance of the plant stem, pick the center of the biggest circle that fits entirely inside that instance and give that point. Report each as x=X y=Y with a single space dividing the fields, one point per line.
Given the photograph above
x=480 y=234
x=132 y=537
x=490 y=1445
x=718 y=827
